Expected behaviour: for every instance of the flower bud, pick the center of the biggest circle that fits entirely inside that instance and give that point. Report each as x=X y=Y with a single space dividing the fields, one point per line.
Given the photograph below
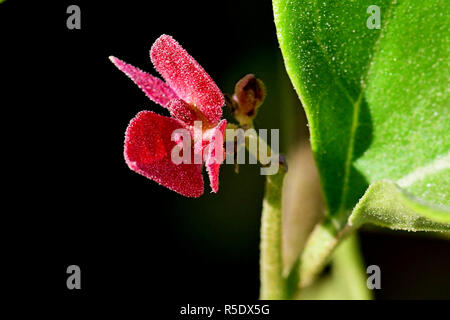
x=249 y=94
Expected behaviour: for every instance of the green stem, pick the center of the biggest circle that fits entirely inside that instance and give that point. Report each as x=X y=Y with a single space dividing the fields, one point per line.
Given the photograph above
x=346 y=279
x=273 y=284
x=317 y=252
x=348 y=268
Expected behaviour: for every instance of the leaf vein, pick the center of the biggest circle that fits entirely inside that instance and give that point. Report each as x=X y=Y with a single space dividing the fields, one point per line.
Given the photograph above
x=421 y=173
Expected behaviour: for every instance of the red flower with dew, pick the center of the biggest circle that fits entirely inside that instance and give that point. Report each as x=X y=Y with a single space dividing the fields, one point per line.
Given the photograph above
x=190 y=95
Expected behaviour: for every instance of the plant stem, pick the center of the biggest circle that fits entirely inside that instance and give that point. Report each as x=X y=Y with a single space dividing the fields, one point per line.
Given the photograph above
x=346 y=279
x=348 y=268
x=273 y=284
x=317 y=252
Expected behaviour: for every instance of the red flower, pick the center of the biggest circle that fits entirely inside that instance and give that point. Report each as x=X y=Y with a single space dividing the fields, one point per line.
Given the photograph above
x=190 y=95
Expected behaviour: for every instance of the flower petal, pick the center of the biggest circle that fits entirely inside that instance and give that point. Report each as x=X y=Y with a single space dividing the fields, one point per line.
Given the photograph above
x=187 y=78
x=148 y=147
x=215 y=153
x=182 y=111
x=156 y=89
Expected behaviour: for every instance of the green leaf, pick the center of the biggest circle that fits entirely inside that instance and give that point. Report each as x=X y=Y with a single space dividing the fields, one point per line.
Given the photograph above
x=377 y=104
x=376 y=99
x=387 y=205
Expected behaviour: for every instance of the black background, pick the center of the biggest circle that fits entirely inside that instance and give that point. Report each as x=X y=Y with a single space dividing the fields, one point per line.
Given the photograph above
x=72 y=199
x=81 y=204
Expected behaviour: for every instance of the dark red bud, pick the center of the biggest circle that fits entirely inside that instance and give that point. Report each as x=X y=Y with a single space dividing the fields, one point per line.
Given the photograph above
x=249 y=94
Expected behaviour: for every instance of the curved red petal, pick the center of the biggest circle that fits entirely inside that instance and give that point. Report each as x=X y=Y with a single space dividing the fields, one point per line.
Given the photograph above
x=182 y=111
x=187 y=78
x=215 y=154
x=148 y=147
x=156 y=89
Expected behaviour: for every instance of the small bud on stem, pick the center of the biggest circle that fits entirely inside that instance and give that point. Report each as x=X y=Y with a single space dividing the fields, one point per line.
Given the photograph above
x=249 y=94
